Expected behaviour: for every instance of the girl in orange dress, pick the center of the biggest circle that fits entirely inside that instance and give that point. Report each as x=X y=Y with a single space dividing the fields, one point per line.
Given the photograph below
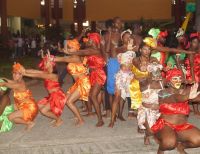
x=96 y=64
x=81 y=87
x=52 y=105
x=25 y=106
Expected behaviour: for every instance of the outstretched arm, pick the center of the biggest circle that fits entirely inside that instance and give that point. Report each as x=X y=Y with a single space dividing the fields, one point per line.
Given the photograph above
x=40 y=74
x=11 y=85
x=68 y=59
x=173 y=50
x=86 y=52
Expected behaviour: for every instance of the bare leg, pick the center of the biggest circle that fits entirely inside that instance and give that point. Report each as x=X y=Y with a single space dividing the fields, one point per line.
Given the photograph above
x=189 y=139
x=71 y=104
x=121 y=108
x=17 y=117
x=93 y=95
x=116 y=101
x=46 y=111
x=167 y=139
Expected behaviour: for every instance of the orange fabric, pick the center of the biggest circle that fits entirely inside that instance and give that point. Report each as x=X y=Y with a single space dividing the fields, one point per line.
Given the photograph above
x=25 y=102
x=160 y=123
x=17 y=67
x=83 y=85
x=76 y=68
x=73 y=44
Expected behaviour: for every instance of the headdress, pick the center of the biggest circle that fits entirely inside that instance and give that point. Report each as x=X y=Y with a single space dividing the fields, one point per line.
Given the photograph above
x=73 y=44
x=18 y=68
x=172 y=73
x=150 y=42
x=46 y=59
x=126 y=31
x=154 y=32
x=95 y=37
x=126 y=57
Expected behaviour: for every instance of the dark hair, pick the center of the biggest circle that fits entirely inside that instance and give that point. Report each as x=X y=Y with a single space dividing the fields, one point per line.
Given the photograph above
x=116 y=18
x=108 y=23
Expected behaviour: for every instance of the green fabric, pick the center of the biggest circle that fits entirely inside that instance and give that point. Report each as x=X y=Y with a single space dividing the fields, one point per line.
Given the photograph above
x=154 y=32
x=191 y=7
x=6 y=124
x=3 y=88
x=156 y=55
x=171 y=60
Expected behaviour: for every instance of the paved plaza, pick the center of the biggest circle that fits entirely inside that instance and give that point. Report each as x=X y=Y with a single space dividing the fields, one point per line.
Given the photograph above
x=69 y=139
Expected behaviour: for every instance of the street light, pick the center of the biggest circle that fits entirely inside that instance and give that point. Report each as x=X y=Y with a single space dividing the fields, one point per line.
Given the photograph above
x=42 y=2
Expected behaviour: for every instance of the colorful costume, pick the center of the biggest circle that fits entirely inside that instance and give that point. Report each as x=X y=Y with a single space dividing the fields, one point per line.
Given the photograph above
x=56 y=98
x=97 y=74
x=149 y=96
x=112 y=69
x=25 y=102
x=196 y=68
x=136 y=95
x=6 y=124
x=82 y=83
x=173 y=108
x=124 y=77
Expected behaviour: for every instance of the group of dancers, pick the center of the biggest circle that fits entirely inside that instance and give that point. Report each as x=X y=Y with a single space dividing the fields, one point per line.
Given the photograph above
x=158 y=83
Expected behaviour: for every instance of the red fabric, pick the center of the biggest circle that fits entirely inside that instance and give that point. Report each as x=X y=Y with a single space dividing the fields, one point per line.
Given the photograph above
x=196 y=68
x=160 y=123
x=49 y=84
x=57 y=101
x=192 y=35
x=97 y=76
x=172 y=73
x=175 y=108
x=45 y=60
x=96 y=65
x=95 y=37
x=95 y=62
x=163 y=34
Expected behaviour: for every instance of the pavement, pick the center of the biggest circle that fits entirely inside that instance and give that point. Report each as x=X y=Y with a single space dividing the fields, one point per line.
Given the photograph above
x=86 y=139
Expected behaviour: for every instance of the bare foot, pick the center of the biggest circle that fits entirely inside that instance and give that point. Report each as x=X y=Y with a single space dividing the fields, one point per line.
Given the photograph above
x=58 y=123
x=52 y=122
x=100 y=124
x=91 y=114
x=180 y=149
x=131 y=116
x=79 y=123
x=160 y=152
x=121 y=118
x=197 y=114
x=106 y=115
x=111 y=125
x=146 y=140
x=30 y=125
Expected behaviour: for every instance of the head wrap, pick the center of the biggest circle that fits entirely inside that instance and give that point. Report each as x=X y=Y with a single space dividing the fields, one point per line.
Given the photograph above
x=45 y=60
x=3 y=88
x=95 y=37
x=154 y=32
x=150 y=42
x=126 y=58
x=172 y=73
x=163 y=34
x=73 y=44
x=126 y=31
x=17 y=68
x=193 y=35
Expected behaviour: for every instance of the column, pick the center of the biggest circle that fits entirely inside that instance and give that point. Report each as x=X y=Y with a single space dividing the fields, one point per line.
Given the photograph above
x=3 y=13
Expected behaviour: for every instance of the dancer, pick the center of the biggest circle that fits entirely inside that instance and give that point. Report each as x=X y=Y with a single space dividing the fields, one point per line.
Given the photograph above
x=123 y=79
x=6 y=108
x=96 y=63
x=81 y=87
x=26 y=108
x=172 y=129
x=148 y=112
x=51 y=106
